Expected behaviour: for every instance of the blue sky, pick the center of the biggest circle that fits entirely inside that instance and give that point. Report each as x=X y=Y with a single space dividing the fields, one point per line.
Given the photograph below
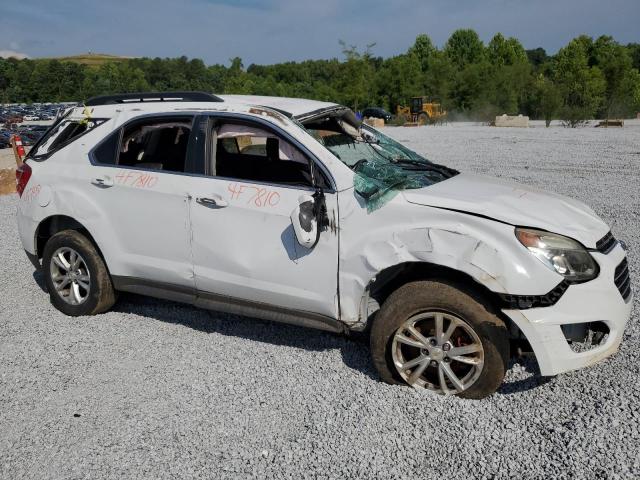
x=269 y=31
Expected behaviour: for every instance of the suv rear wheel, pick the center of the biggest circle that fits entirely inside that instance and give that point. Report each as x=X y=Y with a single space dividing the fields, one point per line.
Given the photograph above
x=76 y=276
x=440 y=337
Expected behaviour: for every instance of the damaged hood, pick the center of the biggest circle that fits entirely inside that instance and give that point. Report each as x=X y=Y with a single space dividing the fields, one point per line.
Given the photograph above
x=513 y=203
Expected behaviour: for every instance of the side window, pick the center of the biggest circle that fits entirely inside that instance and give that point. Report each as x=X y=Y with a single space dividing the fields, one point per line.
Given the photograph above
x=63 y=134
x=107 y=151
x=156 y=144
x=254 y=154
x=229 y=145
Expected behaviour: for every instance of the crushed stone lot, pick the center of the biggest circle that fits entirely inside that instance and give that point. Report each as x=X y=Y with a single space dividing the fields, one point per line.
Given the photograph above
x=156 y=389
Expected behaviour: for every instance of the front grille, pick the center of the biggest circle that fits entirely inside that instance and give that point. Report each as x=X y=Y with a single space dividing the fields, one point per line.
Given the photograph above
x=606 y=243
x=622 y=279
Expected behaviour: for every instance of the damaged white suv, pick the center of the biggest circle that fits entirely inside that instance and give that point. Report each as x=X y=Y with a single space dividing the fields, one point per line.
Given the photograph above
x=291 y=210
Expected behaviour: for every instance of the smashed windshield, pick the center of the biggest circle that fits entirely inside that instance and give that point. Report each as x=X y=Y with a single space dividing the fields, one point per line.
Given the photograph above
x=382 y=165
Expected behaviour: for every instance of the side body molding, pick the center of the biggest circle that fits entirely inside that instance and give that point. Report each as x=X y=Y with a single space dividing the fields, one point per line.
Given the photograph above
x=222 y=303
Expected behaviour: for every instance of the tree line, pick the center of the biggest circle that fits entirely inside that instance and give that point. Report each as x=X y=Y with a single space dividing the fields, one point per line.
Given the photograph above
x=587 y=78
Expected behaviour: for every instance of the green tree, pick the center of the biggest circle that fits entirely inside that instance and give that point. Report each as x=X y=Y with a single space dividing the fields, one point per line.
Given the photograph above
x=216 y=75
x=591 y=78
x=439 y=79
x=548 y=98
x=634 y=51
x=424 y=50
x=622 y=80
x=537 y=56
x=464 y=47
x=582 y=87
x=505 y=51
x=472 y=89
x=236 y=80
x=399 y=79
x=355 y=81
x=507 y=86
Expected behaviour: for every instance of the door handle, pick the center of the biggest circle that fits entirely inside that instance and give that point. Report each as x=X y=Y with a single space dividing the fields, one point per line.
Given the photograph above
x=217 y=202
x=103 y=182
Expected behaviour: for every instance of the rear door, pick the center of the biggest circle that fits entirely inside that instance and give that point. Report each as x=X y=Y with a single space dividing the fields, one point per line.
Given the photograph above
x=244 y=247
x=140 y=177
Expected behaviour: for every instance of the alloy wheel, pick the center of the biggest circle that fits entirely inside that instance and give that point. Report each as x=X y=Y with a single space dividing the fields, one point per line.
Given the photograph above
x=70 y=276
x=438 y=351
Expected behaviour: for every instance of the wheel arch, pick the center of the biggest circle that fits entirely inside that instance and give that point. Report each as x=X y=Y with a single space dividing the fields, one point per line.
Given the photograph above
x=395 y=276
x=53 y=224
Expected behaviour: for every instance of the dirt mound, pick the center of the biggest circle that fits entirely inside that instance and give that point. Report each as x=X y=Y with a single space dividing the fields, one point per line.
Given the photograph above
x=7 y=181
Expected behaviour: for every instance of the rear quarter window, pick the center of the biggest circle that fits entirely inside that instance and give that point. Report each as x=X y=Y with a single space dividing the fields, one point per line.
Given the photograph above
x=107 y=151
x=63 y=134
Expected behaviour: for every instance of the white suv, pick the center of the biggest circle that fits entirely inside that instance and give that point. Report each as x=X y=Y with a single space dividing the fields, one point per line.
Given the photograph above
x=291 y=210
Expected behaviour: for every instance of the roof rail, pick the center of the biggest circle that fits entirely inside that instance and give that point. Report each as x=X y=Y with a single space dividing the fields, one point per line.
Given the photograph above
x=152 y=97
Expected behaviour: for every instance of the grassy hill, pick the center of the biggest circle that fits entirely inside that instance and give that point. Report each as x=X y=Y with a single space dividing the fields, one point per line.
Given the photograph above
x=91 y=59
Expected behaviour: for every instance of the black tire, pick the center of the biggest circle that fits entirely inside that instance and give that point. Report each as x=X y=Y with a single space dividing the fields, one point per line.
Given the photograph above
x=441 y=296
x=424 y=119
x=101 y=295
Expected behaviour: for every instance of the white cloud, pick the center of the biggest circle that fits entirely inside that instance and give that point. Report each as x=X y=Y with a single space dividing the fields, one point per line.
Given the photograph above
x=11 y=53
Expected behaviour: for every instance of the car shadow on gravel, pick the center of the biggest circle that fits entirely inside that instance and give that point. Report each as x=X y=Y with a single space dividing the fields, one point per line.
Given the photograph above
x=534 y=380
x=353 y=349
x=38 y=276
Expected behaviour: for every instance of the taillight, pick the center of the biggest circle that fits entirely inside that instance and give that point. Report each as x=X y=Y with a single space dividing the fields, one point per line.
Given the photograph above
x=23 y=174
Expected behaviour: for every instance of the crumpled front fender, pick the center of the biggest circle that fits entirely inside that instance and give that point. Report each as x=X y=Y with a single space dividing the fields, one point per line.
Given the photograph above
x=398 y=233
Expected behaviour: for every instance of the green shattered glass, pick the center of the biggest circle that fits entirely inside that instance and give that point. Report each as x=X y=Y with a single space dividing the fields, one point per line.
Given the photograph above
x=378 y=181
x=382 y=166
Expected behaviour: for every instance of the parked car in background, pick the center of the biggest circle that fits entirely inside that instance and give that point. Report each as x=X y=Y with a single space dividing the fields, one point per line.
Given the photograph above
x=5 y=138
x=15 y=113
x=29 y=137
x=377 y=112
x=29 y=134
x=293 y=210
x=13 y=120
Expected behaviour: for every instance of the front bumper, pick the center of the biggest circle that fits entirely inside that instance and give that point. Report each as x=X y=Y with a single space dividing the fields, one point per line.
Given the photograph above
x=595 y=301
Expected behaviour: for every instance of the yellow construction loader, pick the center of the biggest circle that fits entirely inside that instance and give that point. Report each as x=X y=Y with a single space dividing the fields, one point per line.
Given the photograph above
x=422 y=111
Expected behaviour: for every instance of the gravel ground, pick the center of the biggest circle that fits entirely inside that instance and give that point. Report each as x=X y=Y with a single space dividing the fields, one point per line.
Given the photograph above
x=160 y=390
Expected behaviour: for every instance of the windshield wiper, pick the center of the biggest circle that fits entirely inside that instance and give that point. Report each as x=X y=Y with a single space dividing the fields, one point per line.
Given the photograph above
x=358 y=164
x=408 y=161
x=417 y=165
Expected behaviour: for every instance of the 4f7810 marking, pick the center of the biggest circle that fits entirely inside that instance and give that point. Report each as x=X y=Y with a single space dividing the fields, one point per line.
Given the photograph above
x=258 y=196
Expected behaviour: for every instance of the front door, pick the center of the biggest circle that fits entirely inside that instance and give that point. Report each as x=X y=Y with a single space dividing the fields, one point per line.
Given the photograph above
x=243 y=243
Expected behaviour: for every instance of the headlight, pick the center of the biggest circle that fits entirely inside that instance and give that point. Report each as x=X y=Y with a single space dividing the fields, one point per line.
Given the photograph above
x=561 y=254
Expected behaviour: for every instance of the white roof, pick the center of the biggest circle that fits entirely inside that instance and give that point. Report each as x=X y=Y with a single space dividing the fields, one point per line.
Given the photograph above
x=237 y=103
x=294 y=106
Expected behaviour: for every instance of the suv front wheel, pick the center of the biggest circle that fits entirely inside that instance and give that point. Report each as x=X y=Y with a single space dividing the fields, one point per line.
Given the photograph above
x=440 y=337
x=76 y=276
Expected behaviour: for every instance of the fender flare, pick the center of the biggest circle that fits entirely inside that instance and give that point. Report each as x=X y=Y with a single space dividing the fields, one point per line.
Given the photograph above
x=57 y=223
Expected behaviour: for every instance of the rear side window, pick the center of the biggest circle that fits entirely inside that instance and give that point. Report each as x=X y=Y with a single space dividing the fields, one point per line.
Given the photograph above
x=155 y=144
x=63 y=134
x=107 y=151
